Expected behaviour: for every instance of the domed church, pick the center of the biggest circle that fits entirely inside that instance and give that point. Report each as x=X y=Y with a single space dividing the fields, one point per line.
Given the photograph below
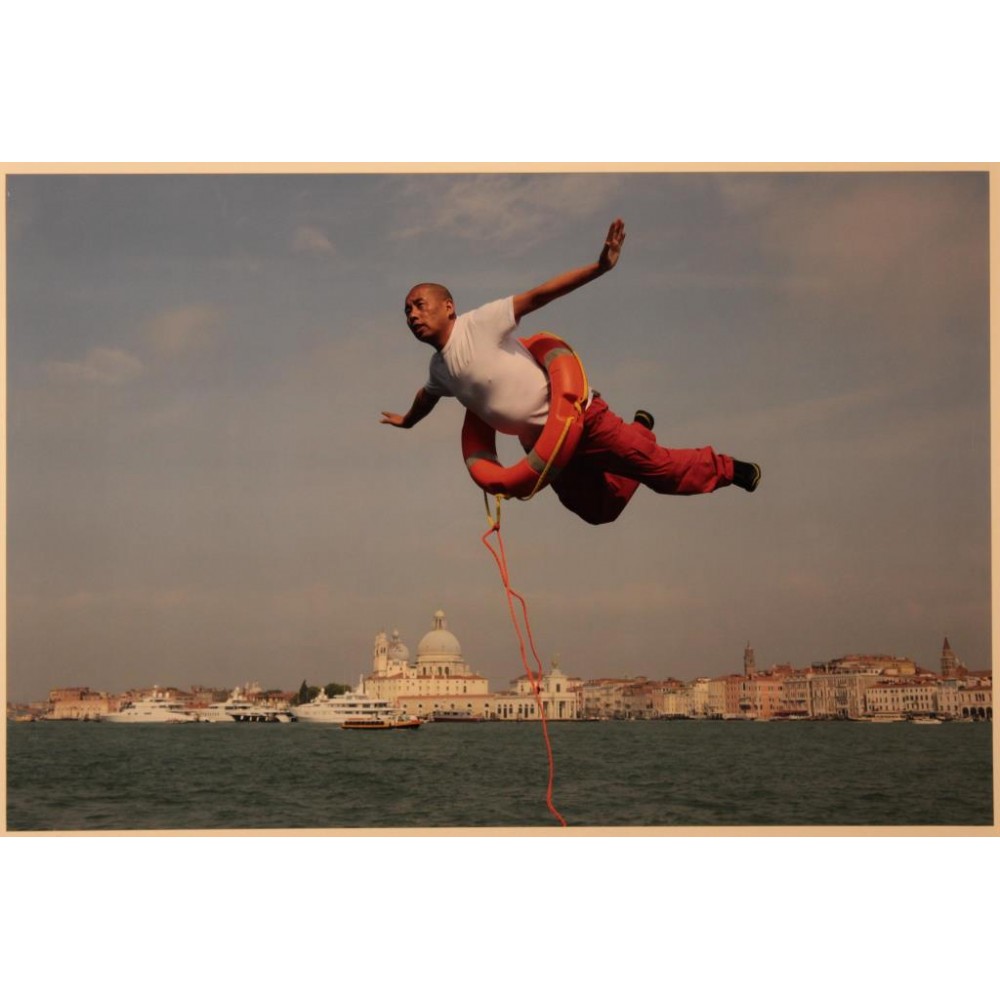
x=439 y=678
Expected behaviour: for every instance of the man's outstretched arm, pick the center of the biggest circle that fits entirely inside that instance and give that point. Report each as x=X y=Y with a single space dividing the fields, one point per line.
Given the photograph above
x=423 y=403
x=563 y=284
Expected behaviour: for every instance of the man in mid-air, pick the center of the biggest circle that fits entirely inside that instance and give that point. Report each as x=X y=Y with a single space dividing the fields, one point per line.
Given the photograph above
x=480 y=361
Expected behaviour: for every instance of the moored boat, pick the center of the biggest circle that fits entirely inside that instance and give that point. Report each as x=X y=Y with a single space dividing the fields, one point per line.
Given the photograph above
x=156 y=707
x=402 y=722
x=252 y=712
x=342 y=708
x=238 y=708
x=450 y=715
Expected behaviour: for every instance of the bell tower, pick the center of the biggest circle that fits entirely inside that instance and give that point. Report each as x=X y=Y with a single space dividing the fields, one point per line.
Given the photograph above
x=951 y=665
x=749 y=666
x=380 y=656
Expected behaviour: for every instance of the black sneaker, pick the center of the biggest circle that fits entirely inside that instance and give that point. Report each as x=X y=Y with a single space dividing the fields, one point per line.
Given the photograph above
x=645 y=418
x=746 y=475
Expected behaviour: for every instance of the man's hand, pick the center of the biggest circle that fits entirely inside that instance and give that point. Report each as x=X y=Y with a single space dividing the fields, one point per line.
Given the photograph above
x=612 y=246
x=563 y=284
x=423 y=403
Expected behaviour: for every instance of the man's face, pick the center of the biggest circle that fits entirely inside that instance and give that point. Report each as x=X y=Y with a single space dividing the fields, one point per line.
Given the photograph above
x=428 y=314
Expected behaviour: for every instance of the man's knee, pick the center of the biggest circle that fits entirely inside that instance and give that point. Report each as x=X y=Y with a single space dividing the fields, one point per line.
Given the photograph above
x=599 y=517
x=591 y=510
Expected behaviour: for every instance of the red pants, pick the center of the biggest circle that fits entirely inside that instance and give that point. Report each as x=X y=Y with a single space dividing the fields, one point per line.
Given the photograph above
x=613 y=458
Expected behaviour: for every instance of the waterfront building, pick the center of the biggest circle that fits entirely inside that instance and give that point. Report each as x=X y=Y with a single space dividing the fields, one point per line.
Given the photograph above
x=840 y=695
x=669 y=698
x=677 y=702
x=877 y=663
x=557 y=693
x=438 y=680
x=715 y=698
x=646 y=699
x=726 y=695
x=895 y=696
x=79 y=703
x=699 y=697
x=796 y=696
x=767 y=695
x=624 y=698
x=748 y=695
x=603 y=698
x=637 y=700
x=970 y=697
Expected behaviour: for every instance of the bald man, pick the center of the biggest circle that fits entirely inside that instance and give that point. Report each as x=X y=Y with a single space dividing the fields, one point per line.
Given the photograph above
x=479 y=360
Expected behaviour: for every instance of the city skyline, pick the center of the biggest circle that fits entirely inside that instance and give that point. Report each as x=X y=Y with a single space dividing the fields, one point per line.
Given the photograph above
x=859 y=687
x=608 y=671
x=199 y=486
x=855 y=687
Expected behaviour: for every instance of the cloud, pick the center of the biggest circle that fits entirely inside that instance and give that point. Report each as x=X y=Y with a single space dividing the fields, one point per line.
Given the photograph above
x=862 y=234
x=186 y=330
x=924 y=234
x=860 y=230
x=504 y=208
x=100 y=366
x=311 y=240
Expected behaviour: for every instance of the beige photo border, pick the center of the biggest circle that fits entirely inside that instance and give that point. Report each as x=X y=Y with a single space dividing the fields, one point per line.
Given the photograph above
x=993 y=170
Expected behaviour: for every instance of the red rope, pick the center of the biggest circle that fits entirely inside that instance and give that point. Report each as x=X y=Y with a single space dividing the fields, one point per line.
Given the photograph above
x=501 y=561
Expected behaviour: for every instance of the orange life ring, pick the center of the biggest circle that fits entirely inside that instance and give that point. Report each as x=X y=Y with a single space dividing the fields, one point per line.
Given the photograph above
x=568 y=391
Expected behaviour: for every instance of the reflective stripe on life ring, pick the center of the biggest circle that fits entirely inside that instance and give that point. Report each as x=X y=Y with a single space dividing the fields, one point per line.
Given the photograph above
x=568 y=391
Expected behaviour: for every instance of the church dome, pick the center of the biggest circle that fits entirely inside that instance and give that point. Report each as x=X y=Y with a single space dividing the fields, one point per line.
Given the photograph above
x=397 y=650
x=439 y=643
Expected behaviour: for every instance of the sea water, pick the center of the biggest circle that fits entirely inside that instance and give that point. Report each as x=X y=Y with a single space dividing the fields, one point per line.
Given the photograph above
x=78 y=776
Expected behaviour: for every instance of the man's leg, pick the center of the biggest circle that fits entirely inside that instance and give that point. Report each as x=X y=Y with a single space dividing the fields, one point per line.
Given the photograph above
x=598 y=497
x=631 y=451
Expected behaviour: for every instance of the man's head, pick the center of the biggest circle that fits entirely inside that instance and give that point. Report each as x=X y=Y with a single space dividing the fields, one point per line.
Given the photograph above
x=430 y=313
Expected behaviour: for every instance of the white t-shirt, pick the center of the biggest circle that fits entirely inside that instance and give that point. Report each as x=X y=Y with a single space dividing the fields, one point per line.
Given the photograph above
x=487 y=369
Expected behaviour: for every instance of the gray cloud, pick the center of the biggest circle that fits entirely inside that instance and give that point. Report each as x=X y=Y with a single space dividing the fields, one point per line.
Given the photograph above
x=185 y=330
x=100 y=366
x=510 y=211
x=311 y=240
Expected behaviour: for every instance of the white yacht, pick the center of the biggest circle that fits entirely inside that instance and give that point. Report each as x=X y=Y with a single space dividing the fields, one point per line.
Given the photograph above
x=156 y=707
x=252 y=711
x=343 y=708
x=238 y=708
x=216 y=712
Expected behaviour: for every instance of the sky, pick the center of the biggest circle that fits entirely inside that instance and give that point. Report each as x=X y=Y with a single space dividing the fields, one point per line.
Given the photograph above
x=200 y=490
